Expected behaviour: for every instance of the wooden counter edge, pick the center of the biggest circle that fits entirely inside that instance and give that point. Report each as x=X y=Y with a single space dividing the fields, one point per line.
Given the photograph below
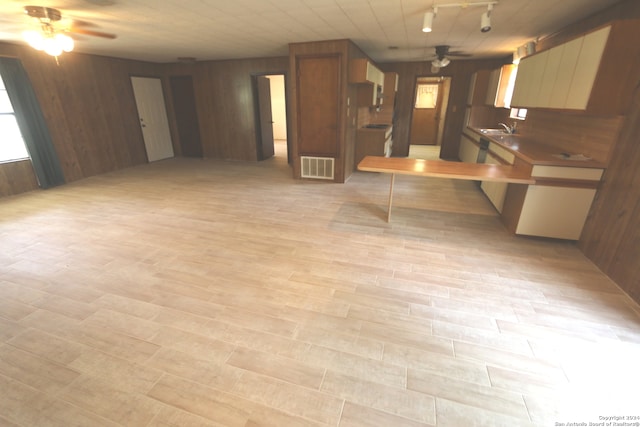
x=445 y=169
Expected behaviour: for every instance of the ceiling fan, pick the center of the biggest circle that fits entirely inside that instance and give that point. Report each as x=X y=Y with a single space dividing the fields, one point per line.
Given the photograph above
x=53 y=35
x=442 y=57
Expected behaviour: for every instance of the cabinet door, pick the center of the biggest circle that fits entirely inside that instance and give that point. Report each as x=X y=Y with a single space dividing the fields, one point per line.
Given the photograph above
x=523 y=82
x=537 y=74
x=468 y=151
x=492 y=89
x=318 y=99
x=557 y=212
x=554 y=58
x=495 y=191
x=564 y=75
x=587 y=68
x=503 y=97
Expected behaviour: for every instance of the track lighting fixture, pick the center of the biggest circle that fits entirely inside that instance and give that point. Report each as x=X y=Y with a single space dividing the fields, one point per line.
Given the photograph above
x=485 y=19
x=427 y=23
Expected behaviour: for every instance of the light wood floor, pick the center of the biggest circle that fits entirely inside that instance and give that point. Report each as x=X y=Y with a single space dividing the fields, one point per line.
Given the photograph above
x=203 y=293
x=428 y=152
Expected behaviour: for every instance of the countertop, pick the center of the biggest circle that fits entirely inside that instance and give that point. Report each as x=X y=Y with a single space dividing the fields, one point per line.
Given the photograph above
x=378 y=129
x=536 y=152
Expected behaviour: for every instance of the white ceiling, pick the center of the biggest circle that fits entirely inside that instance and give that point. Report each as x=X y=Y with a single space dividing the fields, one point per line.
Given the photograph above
x=163 y=30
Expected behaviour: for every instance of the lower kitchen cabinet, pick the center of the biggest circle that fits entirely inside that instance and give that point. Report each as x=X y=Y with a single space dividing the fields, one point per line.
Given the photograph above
x=468 y=149
x=558 y=204
x=373 y=142
x=495 y=191
x=558 y=212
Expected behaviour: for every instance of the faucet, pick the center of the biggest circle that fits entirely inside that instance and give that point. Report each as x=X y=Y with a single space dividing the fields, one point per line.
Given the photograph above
x=509 y=129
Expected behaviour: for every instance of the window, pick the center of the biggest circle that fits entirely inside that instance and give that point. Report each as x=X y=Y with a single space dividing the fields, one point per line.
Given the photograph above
x=518 y=113
x=11 y=143
x=426 y=96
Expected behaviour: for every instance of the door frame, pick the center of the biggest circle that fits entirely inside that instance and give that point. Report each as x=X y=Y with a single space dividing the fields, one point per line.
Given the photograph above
x=256 y=110
x=442 y=108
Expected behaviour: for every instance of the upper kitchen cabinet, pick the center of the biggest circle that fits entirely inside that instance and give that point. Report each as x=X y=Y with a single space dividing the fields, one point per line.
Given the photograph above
x=587 y=73
x=498 y=86
x=390 y=89
x=478 y=86
x=362 y=71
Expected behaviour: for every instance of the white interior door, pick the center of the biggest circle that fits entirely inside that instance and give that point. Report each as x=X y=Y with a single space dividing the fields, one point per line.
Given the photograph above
x=153 y=117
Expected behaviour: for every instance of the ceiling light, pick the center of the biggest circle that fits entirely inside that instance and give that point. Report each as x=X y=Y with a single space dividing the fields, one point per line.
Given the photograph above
x=427 y=24
x=440 y=62
x=50 y=42
x=485 y=20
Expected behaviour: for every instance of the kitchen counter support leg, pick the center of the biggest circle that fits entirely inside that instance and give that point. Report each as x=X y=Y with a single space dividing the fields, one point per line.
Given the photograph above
x=393 y=177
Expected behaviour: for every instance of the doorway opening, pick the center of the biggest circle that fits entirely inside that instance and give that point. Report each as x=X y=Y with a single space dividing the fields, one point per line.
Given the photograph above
x=431 y=97
x=271 y=117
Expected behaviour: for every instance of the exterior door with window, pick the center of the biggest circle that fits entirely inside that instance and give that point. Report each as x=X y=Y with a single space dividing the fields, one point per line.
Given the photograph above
x=426 y=114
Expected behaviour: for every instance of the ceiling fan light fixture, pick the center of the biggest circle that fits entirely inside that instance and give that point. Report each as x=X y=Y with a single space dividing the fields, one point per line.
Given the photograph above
x=52 y=43
x=440 y=62
x=52 y=47
x=65 y=42
x=35 y=39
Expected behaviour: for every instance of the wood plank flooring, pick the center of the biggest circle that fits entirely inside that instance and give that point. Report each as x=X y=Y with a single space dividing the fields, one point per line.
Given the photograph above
x=205 y=293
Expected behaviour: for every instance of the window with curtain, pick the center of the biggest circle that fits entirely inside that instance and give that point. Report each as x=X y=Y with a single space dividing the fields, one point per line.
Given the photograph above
x=426 y=95
x=11 y=143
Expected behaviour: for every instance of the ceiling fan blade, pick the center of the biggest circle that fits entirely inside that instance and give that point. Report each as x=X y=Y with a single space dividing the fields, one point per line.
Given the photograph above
x=92 y=33
x=459 y=54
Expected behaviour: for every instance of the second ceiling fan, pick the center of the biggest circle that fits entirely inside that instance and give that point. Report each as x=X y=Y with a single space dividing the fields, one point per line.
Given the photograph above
x=442 y=55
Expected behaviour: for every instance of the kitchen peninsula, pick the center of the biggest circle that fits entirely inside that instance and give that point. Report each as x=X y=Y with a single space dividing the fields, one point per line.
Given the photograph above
x=558 y=203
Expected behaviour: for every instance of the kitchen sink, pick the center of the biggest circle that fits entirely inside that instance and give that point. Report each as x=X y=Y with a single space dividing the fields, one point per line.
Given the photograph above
x=376 y=126
x=493 y=131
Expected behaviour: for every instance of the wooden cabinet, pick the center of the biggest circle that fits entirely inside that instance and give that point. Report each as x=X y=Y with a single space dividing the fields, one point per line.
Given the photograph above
x=390 y=89
x=478 y=87
x=373 y=142
x=561 y=77
x=362 y=71
x=498 y=86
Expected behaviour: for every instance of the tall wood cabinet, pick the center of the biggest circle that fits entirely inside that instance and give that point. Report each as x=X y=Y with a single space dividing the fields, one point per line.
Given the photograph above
x=323 y=108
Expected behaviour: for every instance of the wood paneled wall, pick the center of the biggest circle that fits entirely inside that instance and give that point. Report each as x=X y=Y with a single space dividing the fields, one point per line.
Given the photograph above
x=346 y=50
x=90 y=110
x=460 y=72
x=89 y=107
x=593 y=136
x=611 y=237
x=225 y=103
x=17 y=177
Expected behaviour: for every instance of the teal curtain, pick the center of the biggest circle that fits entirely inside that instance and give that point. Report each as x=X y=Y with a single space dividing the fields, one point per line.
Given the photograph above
x=31 y=123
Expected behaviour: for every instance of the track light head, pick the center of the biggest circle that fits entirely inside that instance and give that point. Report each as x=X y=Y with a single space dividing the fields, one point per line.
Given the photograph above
x=485 y=20
x=427 y=24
